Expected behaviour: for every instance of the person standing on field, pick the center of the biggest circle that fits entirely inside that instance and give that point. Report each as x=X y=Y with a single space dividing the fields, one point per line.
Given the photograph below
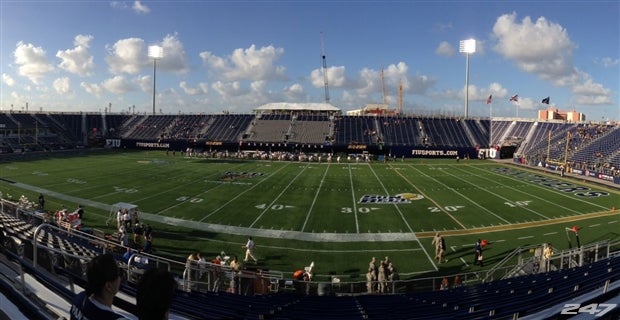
x=249 y=252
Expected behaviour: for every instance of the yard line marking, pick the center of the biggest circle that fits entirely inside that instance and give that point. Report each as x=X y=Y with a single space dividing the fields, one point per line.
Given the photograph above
x=429 y=198
x=595 y=225
x=549 y=233
x=464 y=197
x=428 y=256
x=526 y=237
x=279 y=195
x=395 y=205
x=316 y=195
x=357 y=225
x=610 y=222
x=495 y=194
x=466 y=264
x=233 y=199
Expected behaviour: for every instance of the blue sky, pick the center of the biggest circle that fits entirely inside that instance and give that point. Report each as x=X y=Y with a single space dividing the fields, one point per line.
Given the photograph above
x=237 y=55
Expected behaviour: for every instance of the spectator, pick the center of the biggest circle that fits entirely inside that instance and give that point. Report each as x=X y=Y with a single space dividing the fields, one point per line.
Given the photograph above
x=437 y=242
x=127 y=220
x=124 y=238
x=41 y=202
x=148 y=231
x=137 y=233
x=119 y=218
x=148 y=244
x=381 y=279
x=95 y=303
x=478 y=253
x=457 y=281
x=234 y=267
x=155 y=294
x=370 y=279
x=445 y=285
x=80 y=211
x=440 y=247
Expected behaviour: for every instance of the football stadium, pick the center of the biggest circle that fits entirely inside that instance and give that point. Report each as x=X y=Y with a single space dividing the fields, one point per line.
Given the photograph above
x=297 y=211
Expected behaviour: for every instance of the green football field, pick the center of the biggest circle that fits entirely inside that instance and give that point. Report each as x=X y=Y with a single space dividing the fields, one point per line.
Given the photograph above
x=338 y=215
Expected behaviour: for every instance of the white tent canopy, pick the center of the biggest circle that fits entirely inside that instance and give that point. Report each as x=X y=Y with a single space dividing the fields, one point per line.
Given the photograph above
x=292 y=106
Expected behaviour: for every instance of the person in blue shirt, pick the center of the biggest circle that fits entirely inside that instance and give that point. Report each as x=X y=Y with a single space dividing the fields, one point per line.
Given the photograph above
x=95 y=302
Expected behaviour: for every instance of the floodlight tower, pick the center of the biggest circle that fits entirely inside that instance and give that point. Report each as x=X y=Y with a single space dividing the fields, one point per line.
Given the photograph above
x=468 y=47
x=155 y=52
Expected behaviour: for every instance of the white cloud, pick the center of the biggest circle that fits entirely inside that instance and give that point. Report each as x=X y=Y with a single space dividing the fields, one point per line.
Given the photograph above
x=175 y=58
x=336 y=77
x=8 y=80
x=92 y=88
x=545 y=49
x=127 y=56
x=227 y=90
x=202 y=88
x=32 y=62
x=118 y=85
x=445 y=49
x=247 y=64
x=140 y=8
x=62 y=85
x=145 y=83
x=78 y=60
x=608 y=62
x=118 y=5
x=295 y=88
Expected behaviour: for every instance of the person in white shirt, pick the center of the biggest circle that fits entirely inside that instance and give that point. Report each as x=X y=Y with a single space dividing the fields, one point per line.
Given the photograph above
x=249 y=252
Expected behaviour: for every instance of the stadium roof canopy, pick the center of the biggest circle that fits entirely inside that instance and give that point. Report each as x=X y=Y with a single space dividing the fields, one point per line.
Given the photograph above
x=291 y=106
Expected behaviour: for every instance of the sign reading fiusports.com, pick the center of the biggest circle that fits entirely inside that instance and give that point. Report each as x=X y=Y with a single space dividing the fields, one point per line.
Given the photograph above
x=397 y=199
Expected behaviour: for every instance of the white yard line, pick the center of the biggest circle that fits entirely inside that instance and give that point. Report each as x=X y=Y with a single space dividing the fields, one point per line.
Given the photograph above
x=357 y=225
x=402 y=217
x=240 y=194
x=493 y=193
x=463 y=196
x=316 y=196
x=267 y=208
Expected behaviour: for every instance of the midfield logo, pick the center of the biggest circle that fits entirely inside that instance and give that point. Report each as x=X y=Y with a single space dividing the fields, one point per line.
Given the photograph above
x=401 y=198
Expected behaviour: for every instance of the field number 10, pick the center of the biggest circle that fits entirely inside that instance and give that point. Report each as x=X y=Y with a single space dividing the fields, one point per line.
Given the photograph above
x=517 y=203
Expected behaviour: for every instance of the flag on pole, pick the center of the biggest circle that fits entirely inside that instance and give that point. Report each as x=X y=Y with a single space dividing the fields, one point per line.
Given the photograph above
x=515 y=98
x=545 y=100
x=489 y=98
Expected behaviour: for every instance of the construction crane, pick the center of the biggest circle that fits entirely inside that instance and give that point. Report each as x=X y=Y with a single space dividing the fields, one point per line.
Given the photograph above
x=323 y=56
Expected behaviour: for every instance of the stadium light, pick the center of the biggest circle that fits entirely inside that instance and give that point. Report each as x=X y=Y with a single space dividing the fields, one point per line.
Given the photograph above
x=155 y=52
x=468 y=47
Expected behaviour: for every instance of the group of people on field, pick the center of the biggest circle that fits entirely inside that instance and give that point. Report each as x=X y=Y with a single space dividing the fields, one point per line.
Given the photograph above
x=380 y=276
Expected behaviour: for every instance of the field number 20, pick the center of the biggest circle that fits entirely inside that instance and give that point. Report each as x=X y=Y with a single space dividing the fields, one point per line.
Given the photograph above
x=446 y=208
